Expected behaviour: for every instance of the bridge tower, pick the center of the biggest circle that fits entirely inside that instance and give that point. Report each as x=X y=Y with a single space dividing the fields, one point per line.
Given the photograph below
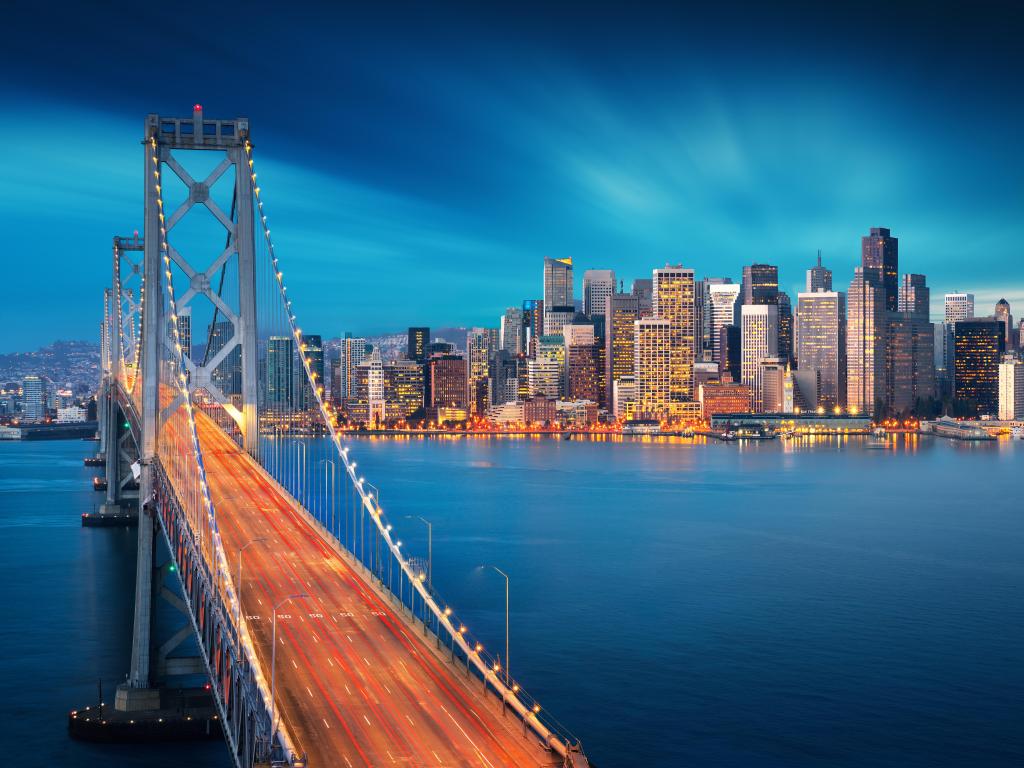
x=173 y=141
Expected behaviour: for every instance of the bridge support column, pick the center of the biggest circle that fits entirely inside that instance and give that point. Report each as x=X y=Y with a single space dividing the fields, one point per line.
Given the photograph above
x=112 y=454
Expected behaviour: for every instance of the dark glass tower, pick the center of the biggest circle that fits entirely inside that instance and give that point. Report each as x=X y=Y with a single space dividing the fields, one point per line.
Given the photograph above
x=879 y=253
x=419 y=340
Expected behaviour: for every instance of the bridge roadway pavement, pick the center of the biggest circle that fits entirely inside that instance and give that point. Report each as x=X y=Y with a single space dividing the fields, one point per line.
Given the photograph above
x=356 y=685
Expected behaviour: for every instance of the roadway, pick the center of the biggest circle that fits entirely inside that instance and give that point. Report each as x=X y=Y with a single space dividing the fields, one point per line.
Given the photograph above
x=356 y=684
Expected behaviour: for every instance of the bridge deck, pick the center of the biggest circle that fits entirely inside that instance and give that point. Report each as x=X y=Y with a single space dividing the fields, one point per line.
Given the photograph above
x=357 y=686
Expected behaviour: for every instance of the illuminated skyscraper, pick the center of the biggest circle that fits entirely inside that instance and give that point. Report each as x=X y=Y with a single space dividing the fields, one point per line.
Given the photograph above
x=821 y=348
x=419 y=340
x=582 y=379
x=759 y=328
x=673 y=301
x=915 y=297
x=653 y=342
x=33 y=398
x=760 y=284
x=598 y=285
x=865 y=344
x=280 y=372
x=880 y=261
x=1011 y=389
x=512 y=332
x=314 y=350
x=979 y=347
x=622 y=310
x=353 y=352
x=724 y=304
x=1004 y=316
x=448 y=388
x=478 y=355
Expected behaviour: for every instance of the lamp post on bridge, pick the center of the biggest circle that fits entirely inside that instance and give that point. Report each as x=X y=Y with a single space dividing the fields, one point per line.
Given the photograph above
x=273 y=664
x=505 y=575
x=238 y=588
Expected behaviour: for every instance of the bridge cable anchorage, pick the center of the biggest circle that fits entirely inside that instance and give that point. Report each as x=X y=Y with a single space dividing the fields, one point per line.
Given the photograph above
x=193 y=456
x=434 y=610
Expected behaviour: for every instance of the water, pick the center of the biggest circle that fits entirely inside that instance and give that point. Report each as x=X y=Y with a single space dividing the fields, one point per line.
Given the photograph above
x=673 y=604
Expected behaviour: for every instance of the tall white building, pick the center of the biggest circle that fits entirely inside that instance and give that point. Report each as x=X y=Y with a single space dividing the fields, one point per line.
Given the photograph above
x=33 y=398
x=759 y=341
x=1011 y=389
x=512 y=331
x=598 y=286
x=724 y=301
x=353 y=352
x=623 y=396
x=959 y=306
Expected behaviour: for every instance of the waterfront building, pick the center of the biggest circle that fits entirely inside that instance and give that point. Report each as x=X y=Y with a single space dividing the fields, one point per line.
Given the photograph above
x=653 y=341
x=865 y=344
x=504 y=377
x=71 y=414
x=557 y=290
x=576 y=413
x=583 y=364
x=724 y=397
x=723 y=299
x=539 y=410
x=448 y=376
x=805 y=422
x=598 y=285
x=623 y=396
x=403 y=389
x=353 y=352
x=419 y=341
x=512 y=331
x=510 y=412
x=819 y=278
x=1011 y=389
x=185 y=330
x=33 y=398
x=366 y=403
x=879 y=253
x=280 y=379
x=622 y=310
x=979 y=345
x=909 y=361
x=759 y=327
x=1004 y=316
x=915 y=297
x=673 y=301
x=821 y=348
x=776 y=386
x=479 y=349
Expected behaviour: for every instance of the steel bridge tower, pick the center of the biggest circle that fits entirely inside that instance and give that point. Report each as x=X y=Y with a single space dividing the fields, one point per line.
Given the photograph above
x=174 y=141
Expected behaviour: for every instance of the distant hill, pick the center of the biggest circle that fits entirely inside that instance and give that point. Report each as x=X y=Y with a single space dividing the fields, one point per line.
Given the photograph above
x=64 y=362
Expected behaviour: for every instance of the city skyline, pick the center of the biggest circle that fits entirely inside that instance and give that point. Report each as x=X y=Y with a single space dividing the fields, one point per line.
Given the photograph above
x=632 y=154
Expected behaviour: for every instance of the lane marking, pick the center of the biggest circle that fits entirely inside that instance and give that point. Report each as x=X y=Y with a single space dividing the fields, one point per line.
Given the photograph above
x=326 y=723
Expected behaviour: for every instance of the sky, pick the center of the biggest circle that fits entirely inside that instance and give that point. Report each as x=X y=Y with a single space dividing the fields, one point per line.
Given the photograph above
x=419 y=162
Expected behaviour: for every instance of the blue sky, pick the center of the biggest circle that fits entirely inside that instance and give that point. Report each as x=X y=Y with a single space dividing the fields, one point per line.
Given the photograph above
x=418 y=163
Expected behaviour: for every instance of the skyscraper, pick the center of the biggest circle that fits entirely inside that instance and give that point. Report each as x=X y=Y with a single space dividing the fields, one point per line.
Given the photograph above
x=353 y=352
x=673 y=301
x=730 y=348
x=819 y=278
x=557 y=287
x=760 y=283
x=865 y=344
x=314 y=350
x=280 y=376
x=1004 y=316
x=959 y=306
x=33 y=398
x=185 y=330
x=915 y=297
x=724 y=302
x=759 y=328
x=512 y=331
x=821 y=348
x=598 y=285
x=643 y=289
x=419 y=340
x=448 y=388
x=704 y=332
x=979 y=346
x=1011 y=389
x=227 y=376
x=478 y=356
x=582 y=379
x=909 y=361
x=880 y=261
x=622 y=310
x=654 y=337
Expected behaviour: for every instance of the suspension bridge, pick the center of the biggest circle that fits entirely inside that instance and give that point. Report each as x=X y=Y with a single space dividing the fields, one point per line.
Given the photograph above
x=323 y=641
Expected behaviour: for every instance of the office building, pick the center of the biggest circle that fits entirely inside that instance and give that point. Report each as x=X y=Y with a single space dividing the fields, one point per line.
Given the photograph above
x=280 y=379
x=703 y=333
x=583 y=374
x=504 y=376
x=729 y=345
x=33 y=398
x=512 y=331
x=760 y=284
x=557 y=289
x=1004 y=316
x=419 y=340
x=776 y=386
x=313 y=349
x=643 y=289
x=909 y=361
x=865 y=344
x=448 y=382
x=724 y=397
x=623 y=396
x=478 y=355
x=227 y=375
x=622 y=310
x=598 y=285
x=979 y=346
x=759 y=330
x=654 y=338
x=352 y=353
x=365 y=403
x=546 y=376
x=821 y=348
x=723 y=300
x=959 y=306
x=185 y=330
x=673 y=301
x=819 y=278
x=1011 y=389
x=556 y=318
x=403 y=389
x=879 y=253
x=915 y=297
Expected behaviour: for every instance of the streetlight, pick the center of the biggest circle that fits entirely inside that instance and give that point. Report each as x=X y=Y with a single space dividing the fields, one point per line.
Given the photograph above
x=238 y=590
x=430 y=546
x=502 y=573
x=273 y=660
